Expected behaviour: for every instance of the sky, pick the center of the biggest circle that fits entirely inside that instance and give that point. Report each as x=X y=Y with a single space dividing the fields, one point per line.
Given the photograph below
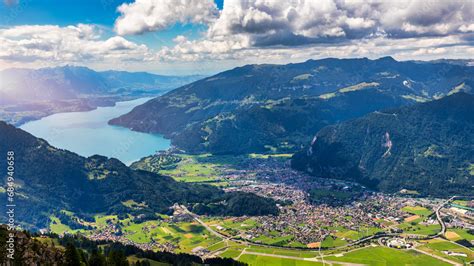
x=182 y=37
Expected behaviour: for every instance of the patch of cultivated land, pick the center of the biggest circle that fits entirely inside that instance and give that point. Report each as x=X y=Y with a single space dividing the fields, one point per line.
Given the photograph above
x=301 y=223
x=387 y=256
x=202 y=168
x=185 y=236
x=440 y=247
x=268 y=260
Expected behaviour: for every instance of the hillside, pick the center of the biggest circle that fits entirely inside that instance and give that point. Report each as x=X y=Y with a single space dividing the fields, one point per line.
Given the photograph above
x=78 y=250
x=427 y=147
x=219 y=114
x=49 y=180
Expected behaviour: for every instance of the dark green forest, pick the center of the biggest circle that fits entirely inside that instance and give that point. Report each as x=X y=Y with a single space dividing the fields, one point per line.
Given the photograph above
x=426 y=147
x=50 y=180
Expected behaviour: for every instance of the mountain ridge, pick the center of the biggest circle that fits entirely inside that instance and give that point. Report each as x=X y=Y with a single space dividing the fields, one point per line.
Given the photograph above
x=425 y=147
x=30 y=94
x=49 y=180
x=184 y=113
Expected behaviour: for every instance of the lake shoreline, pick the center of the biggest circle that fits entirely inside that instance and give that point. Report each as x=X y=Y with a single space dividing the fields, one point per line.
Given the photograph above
x=88 y=133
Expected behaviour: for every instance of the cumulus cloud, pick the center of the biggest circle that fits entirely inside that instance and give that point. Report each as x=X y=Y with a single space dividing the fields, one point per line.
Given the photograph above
x=258 y=31
x=280 y=29
x=152 y=15
x=282 y=22
x=65 y=44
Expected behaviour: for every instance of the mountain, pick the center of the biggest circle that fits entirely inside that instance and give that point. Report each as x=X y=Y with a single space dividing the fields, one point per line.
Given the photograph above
x=69 y=82
x=49 y=180
x=28 y=94
x=427 y=148
x=250 y=108
x=281 y=126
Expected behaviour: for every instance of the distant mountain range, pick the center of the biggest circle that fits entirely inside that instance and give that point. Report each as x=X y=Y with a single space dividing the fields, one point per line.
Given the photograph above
x=49 y=180
x=70 y=82
x=262 y=108
x=427 y=148
x=29 y=94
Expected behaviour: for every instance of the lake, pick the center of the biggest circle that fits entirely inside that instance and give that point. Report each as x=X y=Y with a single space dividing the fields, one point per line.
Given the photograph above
x=87 y=133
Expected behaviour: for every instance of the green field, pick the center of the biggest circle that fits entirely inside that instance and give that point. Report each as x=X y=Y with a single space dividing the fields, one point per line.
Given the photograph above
x=419 y=229
x=330 y=241
x=55 y=226
x=417 y=210
x=133 y=259
x=285 y=252
x=199 y=168
x=461 y=202
x=267 y=261
x=207 y=168
x=102 y=220
x=383 y=256
x=217 y=246
x=231 y=253
x=437 y=247
x=463 y=233
x=414 y=227
x=185 y=236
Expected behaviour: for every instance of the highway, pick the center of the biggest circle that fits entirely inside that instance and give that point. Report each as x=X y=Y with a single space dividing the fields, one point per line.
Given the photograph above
x=438 y=213
x=438 y=216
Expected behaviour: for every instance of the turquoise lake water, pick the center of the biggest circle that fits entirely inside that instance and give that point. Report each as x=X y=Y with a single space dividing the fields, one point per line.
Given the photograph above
x=87 y=133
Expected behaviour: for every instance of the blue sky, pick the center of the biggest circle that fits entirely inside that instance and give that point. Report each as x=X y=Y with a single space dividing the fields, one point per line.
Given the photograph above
x=100 y=12
x=207 y=36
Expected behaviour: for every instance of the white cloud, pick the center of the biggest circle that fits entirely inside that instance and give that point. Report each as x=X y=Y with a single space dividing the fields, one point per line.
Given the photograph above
x=152 y=15
x=467 y=28
x=50 y=43
x=289 y=23
x=280 y=29
x=254 y=31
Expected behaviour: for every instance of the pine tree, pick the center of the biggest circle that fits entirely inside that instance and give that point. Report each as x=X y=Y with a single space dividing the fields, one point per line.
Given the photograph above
x=72 y=256
x=97 y=258
x=117 y=258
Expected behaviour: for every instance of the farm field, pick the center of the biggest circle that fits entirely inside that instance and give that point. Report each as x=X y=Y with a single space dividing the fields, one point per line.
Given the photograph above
x=437 y=246
x=379 y=256
x=255 y=260
x=417 y=210
x=184 y=235
x=199 y=168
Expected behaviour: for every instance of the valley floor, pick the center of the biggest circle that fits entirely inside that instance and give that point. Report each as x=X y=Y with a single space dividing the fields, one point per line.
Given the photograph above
x=321 y=221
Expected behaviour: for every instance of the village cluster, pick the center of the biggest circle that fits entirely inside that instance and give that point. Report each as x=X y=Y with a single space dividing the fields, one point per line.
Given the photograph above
x=302 y=217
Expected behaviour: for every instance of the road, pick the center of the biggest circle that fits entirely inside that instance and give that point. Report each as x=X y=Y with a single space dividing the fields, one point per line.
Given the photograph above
x=438 y=216
x=438 y=213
